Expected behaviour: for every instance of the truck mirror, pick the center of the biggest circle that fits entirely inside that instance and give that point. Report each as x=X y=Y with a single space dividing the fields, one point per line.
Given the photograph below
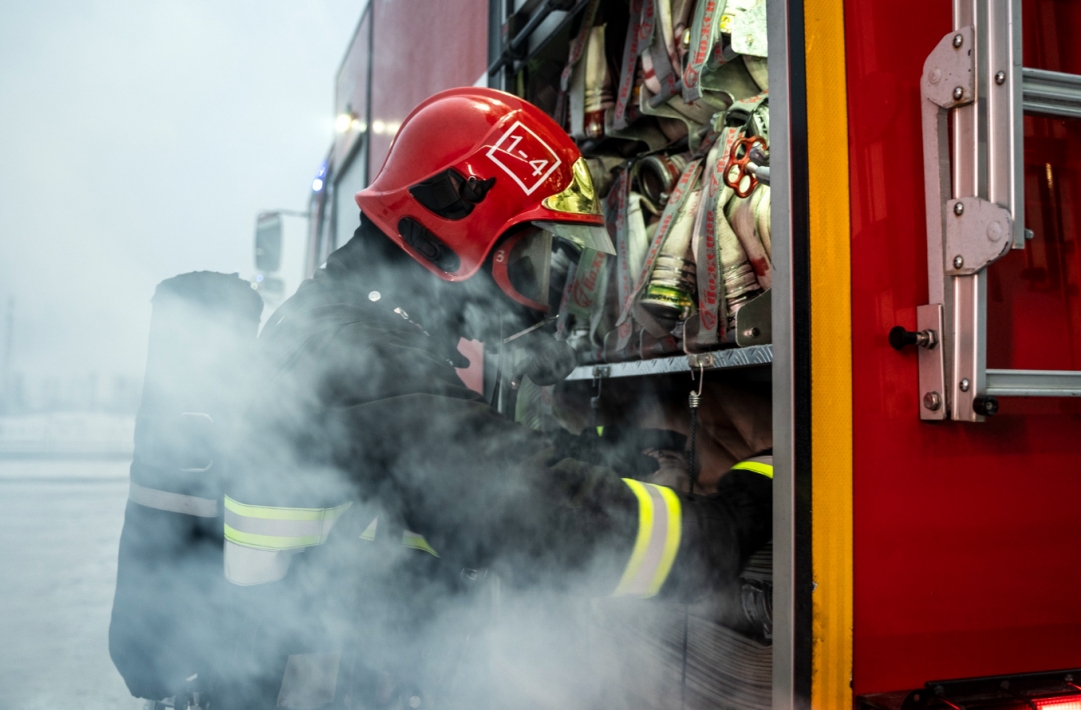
x=268 y=243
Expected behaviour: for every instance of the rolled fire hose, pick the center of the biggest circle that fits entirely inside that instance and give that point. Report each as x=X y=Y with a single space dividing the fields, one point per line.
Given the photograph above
x=638 y=237
x=742 y=219
x=673 y=213
x=703 y=34
x=725 y=278
x=577 y=49
x=669 y=296
x=661 y=61
x=591 y=89
x=738 y=275
x=598 y=84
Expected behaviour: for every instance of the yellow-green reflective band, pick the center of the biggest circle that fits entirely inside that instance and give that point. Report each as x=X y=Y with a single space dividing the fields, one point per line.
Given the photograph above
x=410 y=539
x=416 y=541
x=657 y=541
x=766 y=469
x=272 y=528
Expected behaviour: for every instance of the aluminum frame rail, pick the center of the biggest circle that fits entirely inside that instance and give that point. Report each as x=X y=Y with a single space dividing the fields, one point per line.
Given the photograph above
x=974 y=191
x=1051 y=93
x=753 y=356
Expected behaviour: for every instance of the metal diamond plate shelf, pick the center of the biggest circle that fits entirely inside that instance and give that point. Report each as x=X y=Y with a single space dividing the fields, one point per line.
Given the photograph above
x=752 y=356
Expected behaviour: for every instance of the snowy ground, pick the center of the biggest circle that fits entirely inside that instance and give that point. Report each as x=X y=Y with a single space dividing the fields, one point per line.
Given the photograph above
x=59 y=528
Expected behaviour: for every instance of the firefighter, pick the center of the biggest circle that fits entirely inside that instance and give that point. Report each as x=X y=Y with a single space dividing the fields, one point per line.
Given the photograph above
x=364 y=434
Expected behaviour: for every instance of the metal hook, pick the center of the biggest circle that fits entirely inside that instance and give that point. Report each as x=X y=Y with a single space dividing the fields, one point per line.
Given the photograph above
x=695 y=397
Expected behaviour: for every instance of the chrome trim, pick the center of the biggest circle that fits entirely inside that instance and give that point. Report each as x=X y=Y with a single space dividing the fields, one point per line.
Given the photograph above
x=755 y=355
x=784 y=499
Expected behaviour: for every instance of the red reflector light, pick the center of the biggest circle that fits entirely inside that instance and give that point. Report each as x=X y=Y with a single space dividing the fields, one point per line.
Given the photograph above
x=1066 y=702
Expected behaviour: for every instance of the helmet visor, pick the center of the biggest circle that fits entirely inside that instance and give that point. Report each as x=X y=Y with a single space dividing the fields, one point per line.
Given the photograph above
x=530 y=265
x=522 y=267
x=581 y=235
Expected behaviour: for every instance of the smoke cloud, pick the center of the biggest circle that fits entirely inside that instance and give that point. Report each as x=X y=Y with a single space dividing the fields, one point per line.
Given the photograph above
x=140 y=141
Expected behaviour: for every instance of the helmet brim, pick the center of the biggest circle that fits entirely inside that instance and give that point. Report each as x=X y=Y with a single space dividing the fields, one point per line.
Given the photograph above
x=583 y=236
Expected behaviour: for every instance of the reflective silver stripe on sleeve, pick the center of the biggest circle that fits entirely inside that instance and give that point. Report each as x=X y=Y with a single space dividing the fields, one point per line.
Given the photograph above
x=173 y=502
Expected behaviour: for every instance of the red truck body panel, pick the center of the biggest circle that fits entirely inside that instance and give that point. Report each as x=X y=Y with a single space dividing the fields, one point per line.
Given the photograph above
x=351 y=86
x=965 y=535
x=421 y=47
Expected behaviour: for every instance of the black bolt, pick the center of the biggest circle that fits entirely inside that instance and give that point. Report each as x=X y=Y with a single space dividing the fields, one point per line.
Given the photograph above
x=899 y=337
x=986 y=405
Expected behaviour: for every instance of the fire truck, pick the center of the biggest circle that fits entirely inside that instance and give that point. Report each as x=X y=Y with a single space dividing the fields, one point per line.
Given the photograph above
x=898 y=184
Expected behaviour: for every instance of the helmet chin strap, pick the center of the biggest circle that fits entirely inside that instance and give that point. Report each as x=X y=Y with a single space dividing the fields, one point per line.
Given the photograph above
x=548 y=320
x=540 y=356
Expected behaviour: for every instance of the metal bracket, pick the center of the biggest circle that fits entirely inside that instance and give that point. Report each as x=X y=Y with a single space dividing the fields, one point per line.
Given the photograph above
x=949 y=72
x=948 y=82
x=933 y=403
x=696 y=361
x=977 y=233
x=753 y=321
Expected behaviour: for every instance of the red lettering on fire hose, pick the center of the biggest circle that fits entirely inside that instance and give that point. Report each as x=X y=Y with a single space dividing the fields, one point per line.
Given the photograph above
x=583 y=291
x=708 y=315
x=647 y=21
x=690 y=77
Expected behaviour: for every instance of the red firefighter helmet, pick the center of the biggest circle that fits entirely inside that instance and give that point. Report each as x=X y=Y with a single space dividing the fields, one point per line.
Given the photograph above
x=470 y=165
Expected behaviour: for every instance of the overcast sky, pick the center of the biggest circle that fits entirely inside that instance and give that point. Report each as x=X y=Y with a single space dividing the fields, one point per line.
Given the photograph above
x=138 y=140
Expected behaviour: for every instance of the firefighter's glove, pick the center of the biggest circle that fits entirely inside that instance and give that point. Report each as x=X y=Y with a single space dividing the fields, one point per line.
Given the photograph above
x=542 y=358
x=720 y=533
